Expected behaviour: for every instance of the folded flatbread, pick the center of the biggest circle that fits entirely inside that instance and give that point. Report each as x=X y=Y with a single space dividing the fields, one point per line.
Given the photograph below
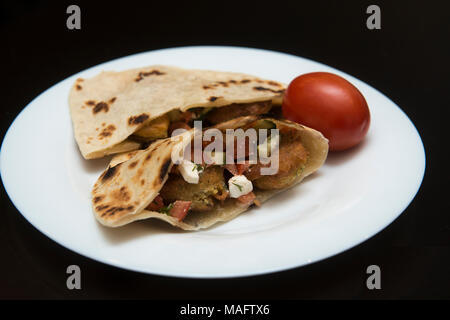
x=132 y=181
x=110 y=107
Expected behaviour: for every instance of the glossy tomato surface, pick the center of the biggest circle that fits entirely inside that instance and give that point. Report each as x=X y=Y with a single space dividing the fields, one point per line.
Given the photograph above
x=330 y=104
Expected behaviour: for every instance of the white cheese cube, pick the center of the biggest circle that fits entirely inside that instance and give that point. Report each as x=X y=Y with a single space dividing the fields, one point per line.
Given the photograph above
x=190 y=171
x=239 y=185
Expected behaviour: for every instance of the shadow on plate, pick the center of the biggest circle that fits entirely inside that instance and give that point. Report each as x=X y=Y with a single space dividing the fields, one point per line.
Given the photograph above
x=92 y=165
x=336 y=158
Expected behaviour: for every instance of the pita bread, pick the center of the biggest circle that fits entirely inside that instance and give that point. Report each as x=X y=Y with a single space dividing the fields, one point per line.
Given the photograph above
x=126 y=188
x=109 y=107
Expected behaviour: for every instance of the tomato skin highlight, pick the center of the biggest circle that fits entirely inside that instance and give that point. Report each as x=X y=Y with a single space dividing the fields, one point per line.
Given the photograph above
x=330 y=104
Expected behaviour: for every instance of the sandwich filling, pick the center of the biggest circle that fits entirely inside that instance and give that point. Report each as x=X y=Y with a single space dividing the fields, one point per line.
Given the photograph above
x=201 y=187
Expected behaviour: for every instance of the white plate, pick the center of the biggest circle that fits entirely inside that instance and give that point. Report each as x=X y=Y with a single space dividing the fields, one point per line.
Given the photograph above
x=352 y=197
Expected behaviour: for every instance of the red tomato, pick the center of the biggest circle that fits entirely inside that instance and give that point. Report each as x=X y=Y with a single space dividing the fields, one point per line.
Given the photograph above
x=330 y=104
x=180 y=209
x=156 y=204
x=247 y=198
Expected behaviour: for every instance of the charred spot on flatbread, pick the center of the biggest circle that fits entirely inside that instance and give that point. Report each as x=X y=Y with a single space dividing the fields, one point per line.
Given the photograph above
x=213 y=98
x=142 y=74
x=106 y=132
x=111 y=209
x=135 y=120
x=90 y=103
x=102 y=207
x=157 y=72
x=101 y=106
x=109 y=173
x=148 y=157
x=98 y=198
x=133 y=164
x=273 y=83
x=78 y=87
x=121 y=194
x=245 y=80
x=259 y=88
x=164 y=169
x=112 y=100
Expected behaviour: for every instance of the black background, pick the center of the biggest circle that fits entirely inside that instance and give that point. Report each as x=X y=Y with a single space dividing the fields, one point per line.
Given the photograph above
x=406 y=60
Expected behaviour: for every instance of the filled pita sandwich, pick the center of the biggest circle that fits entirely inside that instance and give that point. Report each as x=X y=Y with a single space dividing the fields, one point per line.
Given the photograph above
x=192 y=195
x=117 y=112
